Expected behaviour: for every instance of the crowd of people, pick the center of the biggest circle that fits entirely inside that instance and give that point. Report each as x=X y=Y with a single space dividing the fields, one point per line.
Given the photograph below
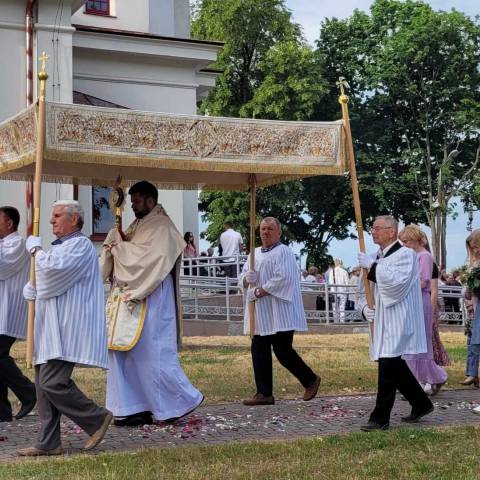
x=230 y=246
x=135 y=335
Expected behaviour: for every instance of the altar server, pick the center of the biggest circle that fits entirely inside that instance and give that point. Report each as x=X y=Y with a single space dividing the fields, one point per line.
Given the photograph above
x=398 y=323
x=14 y=270
x=279 y=313
x=69 y=329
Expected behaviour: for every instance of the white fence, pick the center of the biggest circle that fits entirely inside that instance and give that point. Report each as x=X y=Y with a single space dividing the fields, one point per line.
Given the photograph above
x=215 y=296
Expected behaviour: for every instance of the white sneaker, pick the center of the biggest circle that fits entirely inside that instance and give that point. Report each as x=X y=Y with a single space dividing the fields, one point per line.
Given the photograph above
x=427 y=388
x=476 y=410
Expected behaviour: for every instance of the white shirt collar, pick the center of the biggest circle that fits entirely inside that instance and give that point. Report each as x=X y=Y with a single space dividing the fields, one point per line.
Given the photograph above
x=388 y=247
x=10 y=236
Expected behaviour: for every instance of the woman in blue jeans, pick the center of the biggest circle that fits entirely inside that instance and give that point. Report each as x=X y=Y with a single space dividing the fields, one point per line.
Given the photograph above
x=473 y=333
x=471 y=370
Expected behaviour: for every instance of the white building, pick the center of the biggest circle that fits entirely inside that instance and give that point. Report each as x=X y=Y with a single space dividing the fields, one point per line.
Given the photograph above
x=134 y=54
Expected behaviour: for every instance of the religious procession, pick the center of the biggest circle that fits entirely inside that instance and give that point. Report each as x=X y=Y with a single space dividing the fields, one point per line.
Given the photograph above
x=336 y=187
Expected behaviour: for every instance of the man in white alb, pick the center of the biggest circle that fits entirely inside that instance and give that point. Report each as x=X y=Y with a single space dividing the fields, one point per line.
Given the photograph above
x=14 y=271
x=338 y=276
x=69 y=329
x=145 y=381
x=231 y=243
x=398 y=323
x=279 y=313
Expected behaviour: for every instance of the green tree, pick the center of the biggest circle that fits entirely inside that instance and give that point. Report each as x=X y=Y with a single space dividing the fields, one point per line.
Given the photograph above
x=292 y=84
x=270 y=72
x=249 y=29
x=234 y=207
x=413 y=74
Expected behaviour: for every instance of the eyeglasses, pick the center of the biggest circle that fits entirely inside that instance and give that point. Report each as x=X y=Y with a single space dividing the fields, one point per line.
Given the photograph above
x=375 y=229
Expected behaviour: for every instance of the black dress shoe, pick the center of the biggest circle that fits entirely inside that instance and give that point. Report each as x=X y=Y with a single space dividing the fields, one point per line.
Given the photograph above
x=6 y=419
x=312 y=390
x=415 y=417
x=371 y=426
x=134 y=420
x=259 y=399
x=26 y=409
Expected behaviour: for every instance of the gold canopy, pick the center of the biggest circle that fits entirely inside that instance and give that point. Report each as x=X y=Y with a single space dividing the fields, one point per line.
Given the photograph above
x=93 y=145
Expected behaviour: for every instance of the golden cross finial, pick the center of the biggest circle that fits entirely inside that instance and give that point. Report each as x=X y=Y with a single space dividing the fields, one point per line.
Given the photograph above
x=43 y=59
x=342 y=83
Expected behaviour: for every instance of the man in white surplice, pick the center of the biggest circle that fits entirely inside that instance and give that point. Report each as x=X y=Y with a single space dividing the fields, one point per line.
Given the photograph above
x=398 y=323
x=69 y=329
x=145 y=381
x=338 y=276
x=14 y=270
x=279 y=312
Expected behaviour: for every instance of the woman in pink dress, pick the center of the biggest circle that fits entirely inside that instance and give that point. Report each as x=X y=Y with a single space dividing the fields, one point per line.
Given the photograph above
x=440 y=355
x=190 y=251
x=430 y=375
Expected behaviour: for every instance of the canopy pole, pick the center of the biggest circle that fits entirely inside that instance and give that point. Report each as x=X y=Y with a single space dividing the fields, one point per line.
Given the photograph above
x=343 y=100
x=118 y=202
x=253 y=215
x=37 y=191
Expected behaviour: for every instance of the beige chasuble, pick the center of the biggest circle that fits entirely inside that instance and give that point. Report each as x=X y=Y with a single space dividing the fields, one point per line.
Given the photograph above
x=136 y=266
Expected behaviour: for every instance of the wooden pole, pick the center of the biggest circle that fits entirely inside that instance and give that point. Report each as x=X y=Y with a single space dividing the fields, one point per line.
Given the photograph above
x=343 y=100
x=37 y=190
x=253 y=216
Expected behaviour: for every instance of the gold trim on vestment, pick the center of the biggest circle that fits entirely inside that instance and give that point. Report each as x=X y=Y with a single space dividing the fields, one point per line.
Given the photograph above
x=138 y=332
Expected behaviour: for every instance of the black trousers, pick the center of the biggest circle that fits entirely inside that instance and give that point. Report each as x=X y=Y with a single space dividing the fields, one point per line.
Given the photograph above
x=230 y=271
x=286 y=355
x=393 y=375
x=11 y=377
x=57 y=394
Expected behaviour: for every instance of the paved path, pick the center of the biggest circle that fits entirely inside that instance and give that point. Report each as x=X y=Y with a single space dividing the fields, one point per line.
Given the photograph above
x=223 y=423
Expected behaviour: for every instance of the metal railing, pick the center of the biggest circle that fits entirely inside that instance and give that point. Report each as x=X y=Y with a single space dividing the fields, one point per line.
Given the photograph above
x=213 y=297
x=212 y=266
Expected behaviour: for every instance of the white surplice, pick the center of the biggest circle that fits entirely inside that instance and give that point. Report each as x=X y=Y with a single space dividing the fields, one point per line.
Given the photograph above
x=399 y=324
x=149 y=377
x=14 y=272
x=70 y=308
x=282 y=310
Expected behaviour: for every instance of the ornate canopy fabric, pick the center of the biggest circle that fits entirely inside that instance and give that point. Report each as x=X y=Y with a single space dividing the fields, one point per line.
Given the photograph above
x=92 y=146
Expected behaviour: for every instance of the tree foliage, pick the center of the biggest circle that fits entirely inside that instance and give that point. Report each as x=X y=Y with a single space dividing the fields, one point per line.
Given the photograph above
x=414 y=76
x=270 y=72
x=414 y=102
x=249 y=29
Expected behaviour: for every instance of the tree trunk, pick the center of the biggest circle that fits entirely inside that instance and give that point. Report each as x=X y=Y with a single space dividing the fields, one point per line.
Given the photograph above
x=443 y=242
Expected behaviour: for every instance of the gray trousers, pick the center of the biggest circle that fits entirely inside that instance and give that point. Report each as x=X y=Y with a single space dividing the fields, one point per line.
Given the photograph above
x=57 y=394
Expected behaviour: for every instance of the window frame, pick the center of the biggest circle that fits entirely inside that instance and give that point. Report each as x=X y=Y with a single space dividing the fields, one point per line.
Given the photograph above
x=101 y=13
x=98 y=236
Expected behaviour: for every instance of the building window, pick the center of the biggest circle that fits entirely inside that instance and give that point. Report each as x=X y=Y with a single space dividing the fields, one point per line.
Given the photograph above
x=97 y=7
x=102 y=215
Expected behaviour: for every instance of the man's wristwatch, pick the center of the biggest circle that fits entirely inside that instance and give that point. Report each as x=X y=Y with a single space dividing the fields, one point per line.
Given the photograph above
x=256 y=292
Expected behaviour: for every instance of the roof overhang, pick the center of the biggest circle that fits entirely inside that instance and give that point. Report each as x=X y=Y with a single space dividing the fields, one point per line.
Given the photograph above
x=201 y=53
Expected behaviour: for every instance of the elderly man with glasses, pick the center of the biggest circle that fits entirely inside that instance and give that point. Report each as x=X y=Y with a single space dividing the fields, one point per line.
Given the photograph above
x=398 y=323
x=69 y=330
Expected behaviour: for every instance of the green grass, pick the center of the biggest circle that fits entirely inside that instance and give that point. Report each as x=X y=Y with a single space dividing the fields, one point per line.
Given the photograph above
x=221 y=367
x=404 y=454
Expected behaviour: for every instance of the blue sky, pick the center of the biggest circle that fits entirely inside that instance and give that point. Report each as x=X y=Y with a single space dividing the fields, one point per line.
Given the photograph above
x=309 y=14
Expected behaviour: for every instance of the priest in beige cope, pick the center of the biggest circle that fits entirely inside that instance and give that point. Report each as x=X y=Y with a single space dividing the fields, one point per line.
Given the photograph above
x=145 y=381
